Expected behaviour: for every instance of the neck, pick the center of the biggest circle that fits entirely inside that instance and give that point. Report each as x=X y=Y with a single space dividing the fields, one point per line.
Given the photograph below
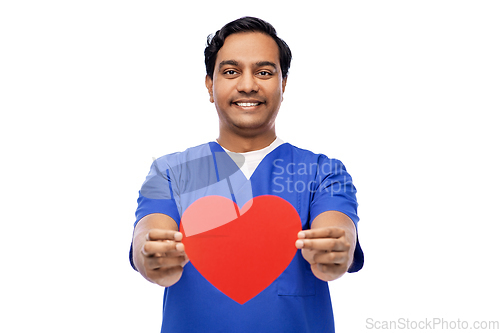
x=242 y=144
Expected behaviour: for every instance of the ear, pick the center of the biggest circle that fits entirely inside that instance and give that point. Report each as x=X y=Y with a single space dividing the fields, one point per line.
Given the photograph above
x=210 y=86
x=283 y=85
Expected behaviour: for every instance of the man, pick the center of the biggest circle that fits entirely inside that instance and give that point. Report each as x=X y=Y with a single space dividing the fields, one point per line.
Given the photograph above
x=247 y=67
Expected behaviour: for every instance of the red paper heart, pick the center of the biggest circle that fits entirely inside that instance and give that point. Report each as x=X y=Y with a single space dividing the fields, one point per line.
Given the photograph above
x=240 y=251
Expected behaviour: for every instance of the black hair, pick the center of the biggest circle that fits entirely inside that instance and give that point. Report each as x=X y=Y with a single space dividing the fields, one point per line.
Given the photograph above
x=245 y=24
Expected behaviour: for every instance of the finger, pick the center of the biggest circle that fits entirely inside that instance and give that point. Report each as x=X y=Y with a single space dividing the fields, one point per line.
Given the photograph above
x=151 y=248
x=334 y=269
x=154 y=263
x=323 y=244
x=327 y=232
x=164 y=272
x=330 y=258
x=161 y=234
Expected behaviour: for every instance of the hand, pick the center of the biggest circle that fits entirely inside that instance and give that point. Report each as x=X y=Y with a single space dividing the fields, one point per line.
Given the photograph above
x=328 y=251
x=163 y=256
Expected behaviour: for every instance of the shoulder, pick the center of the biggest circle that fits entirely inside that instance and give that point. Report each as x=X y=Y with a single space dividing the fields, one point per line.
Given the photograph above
x=317 y=164
x=190 y=155
x=308 y=155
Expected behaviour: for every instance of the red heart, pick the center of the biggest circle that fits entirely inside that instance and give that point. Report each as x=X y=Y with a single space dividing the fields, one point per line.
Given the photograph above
x=240 y=251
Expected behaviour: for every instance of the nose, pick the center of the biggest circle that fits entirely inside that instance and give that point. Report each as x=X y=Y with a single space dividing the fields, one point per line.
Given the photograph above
x=247 y=83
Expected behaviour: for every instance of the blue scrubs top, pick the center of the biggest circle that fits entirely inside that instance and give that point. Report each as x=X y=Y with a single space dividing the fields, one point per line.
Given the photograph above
x=296 y=301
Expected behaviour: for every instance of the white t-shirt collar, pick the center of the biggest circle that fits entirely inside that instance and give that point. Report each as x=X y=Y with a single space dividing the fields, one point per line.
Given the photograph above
x=249 y=161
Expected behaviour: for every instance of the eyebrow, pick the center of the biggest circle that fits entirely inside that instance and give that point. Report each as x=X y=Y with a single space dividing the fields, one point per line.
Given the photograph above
x=259 y=64
x=267 y=63
x=228 y=62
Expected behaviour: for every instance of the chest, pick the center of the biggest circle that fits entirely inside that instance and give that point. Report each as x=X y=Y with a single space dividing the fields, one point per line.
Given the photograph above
x=279 y=175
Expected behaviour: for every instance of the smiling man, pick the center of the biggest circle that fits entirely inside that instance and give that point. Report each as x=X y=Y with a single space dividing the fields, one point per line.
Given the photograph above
x=247 y=69
x=247 y=88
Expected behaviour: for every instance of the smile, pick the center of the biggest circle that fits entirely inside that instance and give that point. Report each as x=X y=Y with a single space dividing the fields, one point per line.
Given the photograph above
x=247 y=104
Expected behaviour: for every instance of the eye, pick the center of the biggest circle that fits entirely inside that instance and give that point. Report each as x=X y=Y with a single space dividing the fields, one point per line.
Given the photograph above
x=230 y=72
x=264 y=73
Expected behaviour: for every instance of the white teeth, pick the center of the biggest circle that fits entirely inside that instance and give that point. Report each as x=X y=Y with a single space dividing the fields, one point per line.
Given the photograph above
x=247 y=104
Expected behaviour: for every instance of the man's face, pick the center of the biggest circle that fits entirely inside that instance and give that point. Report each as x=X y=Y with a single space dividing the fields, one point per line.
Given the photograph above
x=247 y=87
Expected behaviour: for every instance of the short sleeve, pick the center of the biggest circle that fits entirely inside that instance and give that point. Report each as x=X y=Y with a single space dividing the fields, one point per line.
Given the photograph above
x=335 y=191
x=157 y=195
x=157 y=192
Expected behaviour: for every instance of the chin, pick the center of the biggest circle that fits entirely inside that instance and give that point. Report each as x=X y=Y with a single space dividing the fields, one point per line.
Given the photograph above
x=252 y=129
x=250 y=125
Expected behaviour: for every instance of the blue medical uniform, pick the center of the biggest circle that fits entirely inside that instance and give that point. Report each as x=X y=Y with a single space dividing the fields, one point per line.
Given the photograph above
x=296 y=301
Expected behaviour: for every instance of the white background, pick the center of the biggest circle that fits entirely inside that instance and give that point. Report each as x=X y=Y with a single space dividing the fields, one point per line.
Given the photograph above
x=405 y=93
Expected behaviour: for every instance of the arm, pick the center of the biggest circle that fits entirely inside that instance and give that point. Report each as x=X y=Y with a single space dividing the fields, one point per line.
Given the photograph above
x=329 y=245
x=158 y=252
